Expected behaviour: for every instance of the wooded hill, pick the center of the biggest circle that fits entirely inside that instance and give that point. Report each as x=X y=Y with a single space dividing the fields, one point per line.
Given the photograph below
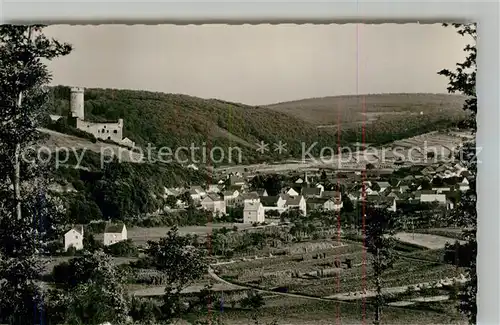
x=175 y=120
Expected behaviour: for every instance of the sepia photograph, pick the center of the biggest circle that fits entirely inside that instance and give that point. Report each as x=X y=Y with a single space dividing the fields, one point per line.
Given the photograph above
x=284 y=174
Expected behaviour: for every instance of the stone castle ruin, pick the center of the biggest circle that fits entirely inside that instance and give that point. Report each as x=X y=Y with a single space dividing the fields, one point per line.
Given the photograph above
x=106 y=131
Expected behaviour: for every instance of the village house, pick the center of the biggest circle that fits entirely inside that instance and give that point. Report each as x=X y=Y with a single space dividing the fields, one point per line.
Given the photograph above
x=448 y=174
x=230 y=196
x=261 y=192
x=333 y=204
x=239 y=188
x=114 y=233
x=383 y=186
x=253 y=212
x=382 y=202
x=334 y=194
x=296 y=202
x=250 y=197
x=434 y=197
x=197 y=193
x=367 y=190
x=355 y=196
x=459 y=169
x=395 y=195
x=441 y=189
x=213 y=188
x=291 y=192
x=315 y=203
x=464 y=185
x=179 y=204
x=214 y=203
x=171 y=192
x=74 y=238
x=273 y=203
x=235 y=180
x=404 y=198
x=311 y=192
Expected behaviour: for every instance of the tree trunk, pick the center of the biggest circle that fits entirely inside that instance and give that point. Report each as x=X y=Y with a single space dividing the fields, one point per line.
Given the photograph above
x=378 y=286
x=17 y=169
x=378 y=307
x=16 y=182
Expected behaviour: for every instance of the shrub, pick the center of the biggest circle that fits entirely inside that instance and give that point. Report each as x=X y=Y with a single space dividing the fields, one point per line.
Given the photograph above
x=125 y=248
x=63 y=126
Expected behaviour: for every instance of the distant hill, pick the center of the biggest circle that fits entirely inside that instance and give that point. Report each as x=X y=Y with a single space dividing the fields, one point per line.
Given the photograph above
x=348 y=110
x=175 y=120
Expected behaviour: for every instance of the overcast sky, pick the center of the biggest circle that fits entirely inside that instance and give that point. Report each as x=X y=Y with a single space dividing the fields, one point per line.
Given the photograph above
x=260 y=64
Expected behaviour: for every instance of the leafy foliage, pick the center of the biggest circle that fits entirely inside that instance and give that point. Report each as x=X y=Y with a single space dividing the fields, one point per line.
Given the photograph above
x=28 y=215
x=272 y=183
x=124 y=248
x=120 y=190
x=181 y=263
x=463 y=80
x=91 y=291
x=380 y=225
x=253 y=300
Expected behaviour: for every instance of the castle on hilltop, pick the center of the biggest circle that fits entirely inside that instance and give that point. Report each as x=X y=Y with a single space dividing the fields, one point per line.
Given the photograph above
x=106 y=131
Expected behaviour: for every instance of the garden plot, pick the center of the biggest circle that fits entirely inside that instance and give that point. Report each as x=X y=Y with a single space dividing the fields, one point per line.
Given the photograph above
x=332 y=281
x=421 y=291
x=354 y=280
x=275 y=270
x=296 y=276
x=299 y=248
x=295 y=262
x=302 y=311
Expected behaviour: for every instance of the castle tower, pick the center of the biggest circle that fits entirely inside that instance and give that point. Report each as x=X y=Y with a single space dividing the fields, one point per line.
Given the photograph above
x=76 y=103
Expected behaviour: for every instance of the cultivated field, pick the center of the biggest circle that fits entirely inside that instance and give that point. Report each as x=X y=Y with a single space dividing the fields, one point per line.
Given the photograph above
x=306 y=286
x=316 y=273
x=302 y=311
x=412 y=149
x=140 y=235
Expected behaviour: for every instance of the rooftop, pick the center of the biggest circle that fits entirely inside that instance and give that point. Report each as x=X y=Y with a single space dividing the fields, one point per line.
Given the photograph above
x=114 y=228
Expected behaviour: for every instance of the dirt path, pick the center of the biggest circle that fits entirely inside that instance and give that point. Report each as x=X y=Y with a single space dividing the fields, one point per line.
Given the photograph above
x=237 y=286
x=392 y=290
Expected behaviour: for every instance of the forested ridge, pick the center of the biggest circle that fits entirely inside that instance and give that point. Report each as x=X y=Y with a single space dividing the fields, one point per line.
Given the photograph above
x=175 y=120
